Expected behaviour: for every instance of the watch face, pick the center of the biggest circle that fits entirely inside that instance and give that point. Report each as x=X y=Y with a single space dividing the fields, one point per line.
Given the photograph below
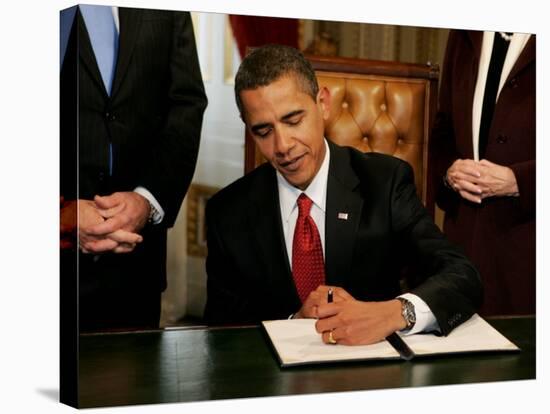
x=412 y=315
x=408 y=312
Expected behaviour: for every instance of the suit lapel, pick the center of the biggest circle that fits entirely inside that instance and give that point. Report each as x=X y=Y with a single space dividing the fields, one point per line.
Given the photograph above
x=340 y=234
x=526 y=56
x=266 y=227
x=343 y=213
x=130 y=23
x=86 y=53
x=476 y=40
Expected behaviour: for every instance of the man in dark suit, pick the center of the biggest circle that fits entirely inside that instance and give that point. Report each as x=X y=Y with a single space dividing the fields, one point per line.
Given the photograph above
x=364 y=219
x=129 y=160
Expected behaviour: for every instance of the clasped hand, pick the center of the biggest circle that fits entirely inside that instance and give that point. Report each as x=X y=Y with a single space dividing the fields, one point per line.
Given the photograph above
x=106 y=224
x=476 y=180
x=352 y=322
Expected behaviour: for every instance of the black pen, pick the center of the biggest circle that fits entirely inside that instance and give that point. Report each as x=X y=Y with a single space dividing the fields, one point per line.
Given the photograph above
x=329 y=295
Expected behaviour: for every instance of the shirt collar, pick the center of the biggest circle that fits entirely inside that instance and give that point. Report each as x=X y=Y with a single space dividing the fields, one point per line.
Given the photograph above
x=316 y=191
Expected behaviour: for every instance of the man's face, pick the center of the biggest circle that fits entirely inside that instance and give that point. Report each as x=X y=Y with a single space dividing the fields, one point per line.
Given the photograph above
x=288 y=127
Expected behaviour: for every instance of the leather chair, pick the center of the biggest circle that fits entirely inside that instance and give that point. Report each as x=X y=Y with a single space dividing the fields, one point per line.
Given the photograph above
x=379 y=106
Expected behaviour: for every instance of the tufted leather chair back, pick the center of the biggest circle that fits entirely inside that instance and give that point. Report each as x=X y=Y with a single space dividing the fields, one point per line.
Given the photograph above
x=377 y=106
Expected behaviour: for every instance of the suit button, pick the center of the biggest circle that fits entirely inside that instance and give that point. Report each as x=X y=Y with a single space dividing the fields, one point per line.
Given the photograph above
x=502 y=139
x=110 y=116
x=101 y=176
x=513 y=83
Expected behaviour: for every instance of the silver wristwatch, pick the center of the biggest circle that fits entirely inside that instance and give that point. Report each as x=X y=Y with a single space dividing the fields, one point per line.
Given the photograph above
x=154 y=214
x=407 y=310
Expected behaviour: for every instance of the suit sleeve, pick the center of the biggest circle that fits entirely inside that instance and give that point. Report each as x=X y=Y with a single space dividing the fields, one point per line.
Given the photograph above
x=525 y=173
x=443 y=150
x=175 y=150
x=228 y=297
x=445 y=279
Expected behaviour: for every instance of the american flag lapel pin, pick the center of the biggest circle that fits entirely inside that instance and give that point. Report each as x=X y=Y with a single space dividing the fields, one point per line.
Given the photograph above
x=342 y=216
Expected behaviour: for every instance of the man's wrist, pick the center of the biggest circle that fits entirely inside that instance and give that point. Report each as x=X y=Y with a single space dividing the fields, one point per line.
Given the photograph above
x=513 y=190
x=447 y=183
x=156 y=213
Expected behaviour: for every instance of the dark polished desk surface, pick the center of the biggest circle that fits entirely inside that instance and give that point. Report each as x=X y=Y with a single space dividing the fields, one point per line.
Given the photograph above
x=207 y=364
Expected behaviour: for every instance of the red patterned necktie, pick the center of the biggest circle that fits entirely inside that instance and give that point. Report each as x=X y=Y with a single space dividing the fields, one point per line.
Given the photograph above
x=308 y=266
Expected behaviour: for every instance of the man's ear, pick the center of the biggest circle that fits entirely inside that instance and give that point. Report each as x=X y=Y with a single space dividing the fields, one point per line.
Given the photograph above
x=323 y=100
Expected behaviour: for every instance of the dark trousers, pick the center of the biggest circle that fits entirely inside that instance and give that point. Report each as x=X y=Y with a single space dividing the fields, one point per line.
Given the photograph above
x=115 y=292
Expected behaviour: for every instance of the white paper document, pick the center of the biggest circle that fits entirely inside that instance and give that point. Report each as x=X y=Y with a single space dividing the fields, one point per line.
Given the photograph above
x=296 y=342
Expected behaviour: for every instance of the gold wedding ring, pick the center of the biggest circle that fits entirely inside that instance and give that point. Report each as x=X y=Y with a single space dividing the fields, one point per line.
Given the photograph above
x=331 y=339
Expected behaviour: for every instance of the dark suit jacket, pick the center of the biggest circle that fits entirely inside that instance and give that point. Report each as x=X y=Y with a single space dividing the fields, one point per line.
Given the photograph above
x=153 y=120
x=249 y=276
x=499 y=234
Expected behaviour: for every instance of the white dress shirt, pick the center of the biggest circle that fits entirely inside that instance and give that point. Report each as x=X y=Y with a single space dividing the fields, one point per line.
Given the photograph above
x=317 y=192
x=158 y=212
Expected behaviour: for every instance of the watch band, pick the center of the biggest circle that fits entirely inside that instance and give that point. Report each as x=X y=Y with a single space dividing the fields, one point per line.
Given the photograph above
x=408 y=312
x=154 y=214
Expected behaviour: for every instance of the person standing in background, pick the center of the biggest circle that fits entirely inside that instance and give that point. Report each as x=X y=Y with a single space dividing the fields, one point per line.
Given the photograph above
x=128 y=162
x=483 y=161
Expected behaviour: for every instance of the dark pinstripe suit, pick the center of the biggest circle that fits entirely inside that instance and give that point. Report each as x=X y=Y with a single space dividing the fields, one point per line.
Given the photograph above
x=153 y=120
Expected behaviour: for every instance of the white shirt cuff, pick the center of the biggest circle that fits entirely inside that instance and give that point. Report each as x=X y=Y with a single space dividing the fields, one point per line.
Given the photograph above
x=158 y=215
x=425 y=319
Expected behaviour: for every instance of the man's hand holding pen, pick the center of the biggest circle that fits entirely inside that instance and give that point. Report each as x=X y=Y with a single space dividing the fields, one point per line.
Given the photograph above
x=354 y=322
x=320 y=297
x=347 y=321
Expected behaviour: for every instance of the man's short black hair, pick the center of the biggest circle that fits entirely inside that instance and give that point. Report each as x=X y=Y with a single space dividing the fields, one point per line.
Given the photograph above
x=267 y=64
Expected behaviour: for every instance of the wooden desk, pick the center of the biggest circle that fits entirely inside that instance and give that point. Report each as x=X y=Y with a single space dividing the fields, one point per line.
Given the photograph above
x=207 y=364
